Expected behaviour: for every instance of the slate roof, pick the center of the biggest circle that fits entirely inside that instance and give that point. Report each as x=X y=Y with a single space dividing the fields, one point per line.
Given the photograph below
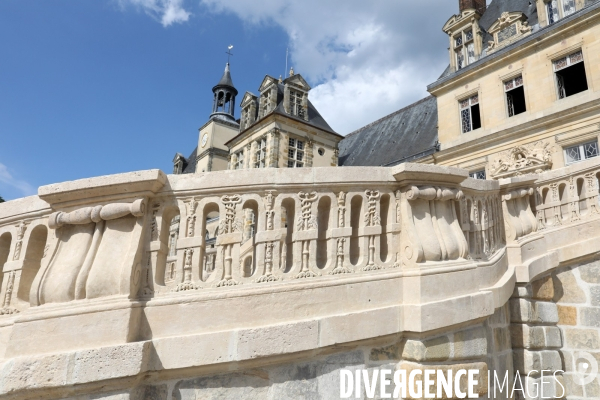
x=314 y=117
x=226 y=78
x=497 y=7
x=405 y=135
x=190 y=165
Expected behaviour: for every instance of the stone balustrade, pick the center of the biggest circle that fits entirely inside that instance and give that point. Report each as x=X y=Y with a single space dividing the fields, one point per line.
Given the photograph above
x=210 y=270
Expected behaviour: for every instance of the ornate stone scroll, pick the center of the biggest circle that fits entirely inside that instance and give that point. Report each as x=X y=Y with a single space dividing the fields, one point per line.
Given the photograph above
x=187 y=283
x=86 y=263
x=518 y=216
x=431 y=230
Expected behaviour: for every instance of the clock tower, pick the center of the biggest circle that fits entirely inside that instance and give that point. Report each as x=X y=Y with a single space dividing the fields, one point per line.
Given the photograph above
x=212 y=154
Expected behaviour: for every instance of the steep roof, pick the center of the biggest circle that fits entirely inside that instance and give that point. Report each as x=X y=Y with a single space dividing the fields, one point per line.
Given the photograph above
x=497 y=7
x=405 y=135
x=226 y=78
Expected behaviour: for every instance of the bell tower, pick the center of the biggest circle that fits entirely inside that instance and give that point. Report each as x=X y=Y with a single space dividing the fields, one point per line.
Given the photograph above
x=224 y=97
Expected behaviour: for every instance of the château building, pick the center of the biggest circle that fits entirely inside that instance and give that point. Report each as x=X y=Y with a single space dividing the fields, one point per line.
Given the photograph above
x=521 y=94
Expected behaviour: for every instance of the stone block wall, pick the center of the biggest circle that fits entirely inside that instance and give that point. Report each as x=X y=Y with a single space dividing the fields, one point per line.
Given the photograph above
x=577 y=295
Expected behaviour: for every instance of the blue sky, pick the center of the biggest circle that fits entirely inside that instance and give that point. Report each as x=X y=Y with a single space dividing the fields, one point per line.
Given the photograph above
x=92 y=88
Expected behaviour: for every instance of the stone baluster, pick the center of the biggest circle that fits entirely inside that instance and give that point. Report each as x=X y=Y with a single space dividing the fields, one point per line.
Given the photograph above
x=372 y=227
x=307 y=231
x=230 y=234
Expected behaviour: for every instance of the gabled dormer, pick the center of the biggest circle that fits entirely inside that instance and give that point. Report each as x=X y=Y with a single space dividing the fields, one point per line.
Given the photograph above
x=249 y=110
x=268 y=96
x=295 y=96
x=509 y=28
x=465 y=34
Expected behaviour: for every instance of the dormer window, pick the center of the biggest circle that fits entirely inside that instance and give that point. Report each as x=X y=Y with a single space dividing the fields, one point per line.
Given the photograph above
x=266 y=97
x=246 y=119
x=464 y=48
x=296 y=104
x=557 y=9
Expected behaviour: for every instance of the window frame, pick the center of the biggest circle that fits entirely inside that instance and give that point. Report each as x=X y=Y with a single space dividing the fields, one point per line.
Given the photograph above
x=261 y=153
x=516 y=84
x=295 y=103
x=239 y=162
x=470 y=108
x=582 y=151
x=477 y=174
x=462 y=49
x=568 y=63
x=294 y=149
x=560 y=10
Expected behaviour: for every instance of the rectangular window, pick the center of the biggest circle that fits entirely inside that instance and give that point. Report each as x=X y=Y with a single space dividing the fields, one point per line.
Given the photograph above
x=552 y=11
x=469 y=114
x=515 y=96
x=464 y=48
x=295 y=153
x=261 y=153
x=266 y=99
x=239 y=163
x=478 y=174
x=570 y=75
x=581 y=152
x=568 y=7
x=296 y=104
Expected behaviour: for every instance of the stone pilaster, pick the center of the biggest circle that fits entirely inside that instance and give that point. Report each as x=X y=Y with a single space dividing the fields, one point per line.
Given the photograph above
x=251 y=155
x=309 y=153
x=273 y=149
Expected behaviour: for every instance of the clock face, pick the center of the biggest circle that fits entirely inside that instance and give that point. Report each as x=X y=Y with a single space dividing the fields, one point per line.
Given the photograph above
x=204 y=139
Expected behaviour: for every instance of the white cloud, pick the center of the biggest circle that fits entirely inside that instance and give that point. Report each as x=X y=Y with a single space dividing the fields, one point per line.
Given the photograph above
x=365 y=59
x=8 y=179
x=166 y=11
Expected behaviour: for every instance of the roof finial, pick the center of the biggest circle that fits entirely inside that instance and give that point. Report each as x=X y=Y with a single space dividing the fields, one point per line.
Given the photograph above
x=292 y=71
x=228 y=52
x=280 y=79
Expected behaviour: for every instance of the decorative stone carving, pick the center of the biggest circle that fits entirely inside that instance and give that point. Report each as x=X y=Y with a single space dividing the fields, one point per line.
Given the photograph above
x=6 y=309
x=268 y=276
x=230 y=223
x=518 y=216
x=530 y=158
x=509 y=28
x=398 y=196
x=21 y=228
x=270 y=213
x=341 y=209
x=192 y=206
x=306 y=220
x=372 y=218
x=187 y=283
x=154 y=230
x=339 y=265
x=430 y=227
x=147 y=291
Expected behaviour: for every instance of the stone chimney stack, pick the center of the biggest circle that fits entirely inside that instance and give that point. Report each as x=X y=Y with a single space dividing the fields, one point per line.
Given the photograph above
x=478 y=5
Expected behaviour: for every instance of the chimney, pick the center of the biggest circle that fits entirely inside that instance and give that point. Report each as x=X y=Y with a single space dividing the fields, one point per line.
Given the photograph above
x=478 y=5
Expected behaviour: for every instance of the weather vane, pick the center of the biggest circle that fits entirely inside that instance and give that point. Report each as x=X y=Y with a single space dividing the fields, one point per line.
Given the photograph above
x=228 y=52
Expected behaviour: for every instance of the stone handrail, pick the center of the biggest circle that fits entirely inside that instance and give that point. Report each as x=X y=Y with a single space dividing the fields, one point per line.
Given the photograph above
x=303 y=259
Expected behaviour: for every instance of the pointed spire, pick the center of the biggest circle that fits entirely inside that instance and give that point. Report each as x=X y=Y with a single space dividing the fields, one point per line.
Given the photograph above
x=226 y=78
